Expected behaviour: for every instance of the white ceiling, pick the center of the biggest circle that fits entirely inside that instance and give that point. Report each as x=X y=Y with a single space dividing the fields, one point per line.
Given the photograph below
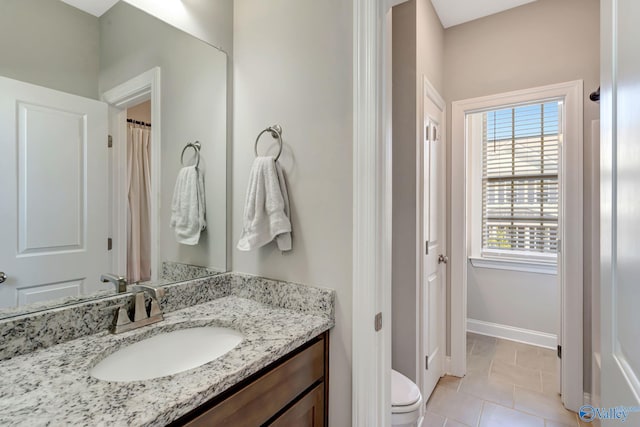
x=451 y=12
x=454 y=12
x=94 y=7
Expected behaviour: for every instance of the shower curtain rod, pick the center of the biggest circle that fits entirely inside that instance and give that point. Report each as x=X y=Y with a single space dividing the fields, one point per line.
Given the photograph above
x=138 y=123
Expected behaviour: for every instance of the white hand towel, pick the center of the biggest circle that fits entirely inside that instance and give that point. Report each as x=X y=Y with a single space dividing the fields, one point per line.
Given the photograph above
x=188 y=206
x=266 y=209
x=284 y=239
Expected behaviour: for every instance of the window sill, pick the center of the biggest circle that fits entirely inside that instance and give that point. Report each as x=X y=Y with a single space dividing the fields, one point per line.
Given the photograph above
x=501 y=264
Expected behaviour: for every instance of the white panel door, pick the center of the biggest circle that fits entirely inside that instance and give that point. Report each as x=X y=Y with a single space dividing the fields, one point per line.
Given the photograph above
x=620 y=215
x=54 y=187
x=433 y=279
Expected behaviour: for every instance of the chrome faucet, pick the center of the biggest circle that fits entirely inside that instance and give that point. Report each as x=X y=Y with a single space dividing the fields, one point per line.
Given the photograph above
x=119 y=282
x=141 y=316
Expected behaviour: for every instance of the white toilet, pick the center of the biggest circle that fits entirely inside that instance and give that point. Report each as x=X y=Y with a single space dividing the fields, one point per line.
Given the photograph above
x=406 y=402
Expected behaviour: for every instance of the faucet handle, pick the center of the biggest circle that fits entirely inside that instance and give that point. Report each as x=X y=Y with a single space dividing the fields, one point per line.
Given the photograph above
x=121 y=314
x=140 y=308
x=122 y=317
x=155 y=309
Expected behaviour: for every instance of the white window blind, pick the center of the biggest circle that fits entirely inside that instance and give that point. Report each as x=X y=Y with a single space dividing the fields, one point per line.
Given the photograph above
x=520 y=157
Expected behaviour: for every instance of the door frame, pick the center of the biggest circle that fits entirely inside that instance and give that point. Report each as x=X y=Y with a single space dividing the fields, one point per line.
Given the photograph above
x=619 y=384
x=571 y=262
x=372 y=203
x=429 y=92
x=143 y=87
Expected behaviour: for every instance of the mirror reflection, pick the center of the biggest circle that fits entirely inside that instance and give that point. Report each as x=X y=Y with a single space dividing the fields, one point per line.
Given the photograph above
x=114 y=153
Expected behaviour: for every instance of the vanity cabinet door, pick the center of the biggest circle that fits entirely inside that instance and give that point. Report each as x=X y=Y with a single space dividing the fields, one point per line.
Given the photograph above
x=308 y=412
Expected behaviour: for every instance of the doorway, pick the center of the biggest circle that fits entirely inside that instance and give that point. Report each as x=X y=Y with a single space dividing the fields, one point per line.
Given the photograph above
x=139 y=192
x=472 y=233
x=139 y=95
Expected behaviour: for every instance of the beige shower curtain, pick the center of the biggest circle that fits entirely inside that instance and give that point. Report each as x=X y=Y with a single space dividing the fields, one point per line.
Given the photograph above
x=139 y=185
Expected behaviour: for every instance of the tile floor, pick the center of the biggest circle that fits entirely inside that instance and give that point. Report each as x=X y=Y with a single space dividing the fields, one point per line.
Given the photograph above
x=508 y=384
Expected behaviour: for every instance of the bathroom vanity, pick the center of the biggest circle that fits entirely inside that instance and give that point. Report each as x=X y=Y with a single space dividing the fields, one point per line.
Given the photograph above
x=291 y=391
x=94 y=73
x=277 y=374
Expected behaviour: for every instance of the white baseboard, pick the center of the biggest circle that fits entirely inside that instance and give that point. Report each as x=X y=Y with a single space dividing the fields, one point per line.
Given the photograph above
x=527 y=336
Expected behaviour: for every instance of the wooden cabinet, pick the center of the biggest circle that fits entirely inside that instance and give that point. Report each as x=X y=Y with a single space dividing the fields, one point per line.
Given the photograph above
x=290 y=392
x=308 y=411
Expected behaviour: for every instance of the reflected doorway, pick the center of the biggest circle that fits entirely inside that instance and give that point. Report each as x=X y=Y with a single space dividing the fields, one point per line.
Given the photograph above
x=139 y=192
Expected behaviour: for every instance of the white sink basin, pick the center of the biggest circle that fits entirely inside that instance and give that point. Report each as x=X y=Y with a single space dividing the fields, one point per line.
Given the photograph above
x=167 y=354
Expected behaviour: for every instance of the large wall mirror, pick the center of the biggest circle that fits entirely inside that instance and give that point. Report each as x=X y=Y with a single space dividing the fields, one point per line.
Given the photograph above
x=148 y=202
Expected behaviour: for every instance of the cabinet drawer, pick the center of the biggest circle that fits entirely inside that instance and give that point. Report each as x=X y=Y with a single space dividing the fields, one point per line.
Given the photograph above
x=262 y=399
x=307 y=412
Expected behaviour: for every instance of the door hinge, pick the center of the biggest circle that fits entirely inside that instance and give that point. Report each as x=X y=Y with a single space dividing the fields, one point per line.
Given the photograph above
x=426 y=362
x=426 y=247
x=378 y=322
x=109 y=141
x=559 y=351
x=559 y=245
x=109 y=243
x=427 y=134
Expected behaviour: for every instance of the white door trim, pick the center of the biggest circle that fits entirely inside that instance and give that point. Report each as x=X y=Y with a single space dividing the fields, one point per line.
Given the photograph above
x=372 y=191
x=571 y=268
x=128 y=94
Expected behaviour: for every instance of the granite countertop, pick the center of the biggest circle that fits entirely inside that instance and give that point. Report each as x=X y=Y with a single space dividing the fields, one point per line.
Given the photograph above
x=52 y=386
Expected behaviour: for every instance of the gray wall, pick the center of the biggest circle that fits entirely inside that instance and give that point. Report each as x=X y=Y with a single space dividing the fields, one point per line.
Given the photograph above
x=55 y=47
x=544 y=42
x=514 y=298
x=293 y=66
x=430 y=48
x=194 y=98
x=417 y=50
x=210 y=20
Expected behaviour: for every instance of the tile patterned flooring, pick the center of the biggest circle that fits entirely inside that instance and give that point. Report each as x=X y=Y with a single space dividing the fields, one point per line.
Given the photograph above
x=508 y=384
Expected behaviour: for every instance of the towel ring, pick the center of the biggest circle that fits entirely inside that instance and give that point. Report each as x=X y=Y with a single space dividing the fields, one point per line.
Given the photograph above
x=196 y=146
x=276 y=133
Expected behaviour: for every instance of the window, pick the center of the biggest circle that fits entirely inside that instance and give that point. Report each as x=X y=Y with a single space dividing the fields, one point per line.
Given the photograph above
x=520 y=153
